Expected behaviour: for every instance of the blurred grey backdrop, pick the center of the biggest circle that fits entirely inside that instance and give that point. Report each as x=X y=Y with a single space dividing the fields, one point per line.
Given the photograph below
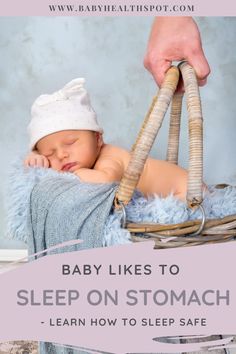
x=41 y=54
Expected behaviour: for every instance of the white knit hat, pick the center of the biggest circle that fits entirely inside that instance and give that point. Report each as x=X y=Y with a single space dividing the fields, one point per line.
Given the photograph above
x=66 y=109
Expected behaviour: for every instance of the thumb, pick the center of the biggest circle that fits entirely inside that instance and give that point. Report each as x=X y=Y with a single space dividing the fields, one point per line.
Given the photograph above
x=200 y=64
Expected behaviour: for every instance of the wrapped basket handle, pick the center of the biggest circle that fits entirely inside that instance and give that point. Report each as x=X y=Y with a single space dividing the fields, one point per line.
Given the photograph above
x=150 y=129
x=174 y=130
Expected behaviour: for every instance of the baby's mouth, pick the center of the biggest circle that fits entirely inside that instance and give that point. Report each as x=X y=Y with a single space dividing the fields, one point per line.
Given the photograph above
x=68 y=166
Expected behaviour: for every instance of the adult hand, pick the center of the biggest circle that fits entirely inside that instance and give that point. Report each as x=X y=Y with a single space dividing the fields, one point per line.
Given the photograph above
x=175 y=39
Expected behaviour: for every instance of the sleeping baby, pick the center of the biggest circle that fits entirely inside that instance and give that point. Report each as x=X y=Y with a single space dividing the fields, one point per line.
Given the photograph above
x=65 y=136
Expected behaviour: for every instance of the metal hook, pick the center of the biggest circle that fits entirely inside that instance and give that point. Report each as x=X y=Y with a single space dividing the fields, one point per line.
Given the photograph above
x=201 y=227
x=123 y=218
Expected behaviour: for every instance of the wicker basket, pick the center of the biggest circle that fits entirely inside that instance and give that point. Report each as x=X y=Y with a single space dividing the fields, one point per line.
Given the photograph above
x=191 y=232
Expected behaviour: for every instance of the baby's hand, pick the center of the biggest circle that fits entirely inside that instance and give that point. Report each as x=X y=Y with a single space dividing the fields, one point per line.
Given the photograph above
x=36 y=160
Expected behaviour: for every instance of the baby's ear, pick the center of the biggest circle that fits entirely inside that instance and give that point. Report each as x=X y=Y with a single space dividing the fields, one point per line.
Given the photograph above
x=99 y=139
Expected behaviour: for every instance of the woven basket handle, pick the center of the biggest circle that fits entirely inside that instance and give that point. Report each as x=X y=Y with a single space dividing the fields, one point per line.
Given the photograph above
x=172 y=155
x=195 y=132
x=151 y=126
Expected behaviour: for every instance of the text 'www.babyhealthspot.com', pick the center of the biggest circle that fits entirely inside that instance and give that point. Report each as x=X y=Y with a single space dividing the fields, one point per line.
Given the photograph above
x=120 y=9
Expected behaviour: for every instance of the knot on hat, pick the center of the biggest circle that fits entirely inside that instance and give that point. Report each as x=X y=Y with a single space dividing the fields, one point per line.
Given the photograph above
x=73 y=88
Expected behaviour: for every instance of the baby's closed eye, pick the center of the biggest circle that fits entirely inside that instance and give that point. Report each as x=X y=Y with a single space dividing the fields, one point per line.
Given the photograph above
x=70 y=141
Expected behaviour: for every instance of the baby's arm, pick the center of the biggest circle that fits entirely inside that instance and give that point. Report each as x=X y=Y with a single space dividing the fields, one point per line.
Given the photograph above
x=34 y=159
x=104 y=172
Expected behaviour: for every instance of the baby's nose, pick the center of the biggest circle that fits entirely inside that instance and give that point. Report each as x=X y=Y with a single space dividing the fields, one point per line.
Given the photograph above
x=62 y=153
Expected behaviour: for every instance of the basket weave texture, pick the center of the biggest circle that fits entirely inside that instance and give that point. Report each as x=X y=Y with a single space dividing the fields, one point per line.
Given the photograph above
x=191 y=232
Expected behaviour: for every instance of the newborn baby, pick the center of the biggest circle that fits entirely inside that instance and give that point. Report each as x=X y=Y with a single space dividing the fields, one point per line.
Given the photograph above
x=65 y=135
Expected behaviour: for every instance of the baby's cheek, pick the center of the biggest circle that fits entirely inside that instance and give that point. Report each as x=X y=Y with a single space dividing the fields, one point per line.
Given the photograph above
x=54 y=164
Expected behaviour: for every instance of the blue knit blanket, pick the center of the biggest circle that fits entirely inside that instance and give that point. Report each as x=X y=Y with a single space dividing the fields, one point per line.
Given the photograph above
x=61 y=209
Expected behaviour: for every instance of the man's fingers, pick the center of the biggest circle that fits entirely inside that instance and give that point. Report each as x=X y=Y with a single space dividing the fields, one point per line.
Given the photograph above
x=162 y=68
x=158 y=69
x=201 y=67
x=202 y=82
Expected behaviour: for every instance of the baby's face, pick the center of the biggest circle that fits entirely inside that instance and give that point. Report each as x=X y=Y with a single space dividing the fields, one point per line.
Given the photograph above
x=70 y=150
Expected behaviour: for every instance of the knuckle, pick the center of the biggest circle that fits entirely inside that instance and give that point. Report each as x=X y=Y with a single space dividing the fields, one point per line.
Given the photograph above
x=146 y=62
